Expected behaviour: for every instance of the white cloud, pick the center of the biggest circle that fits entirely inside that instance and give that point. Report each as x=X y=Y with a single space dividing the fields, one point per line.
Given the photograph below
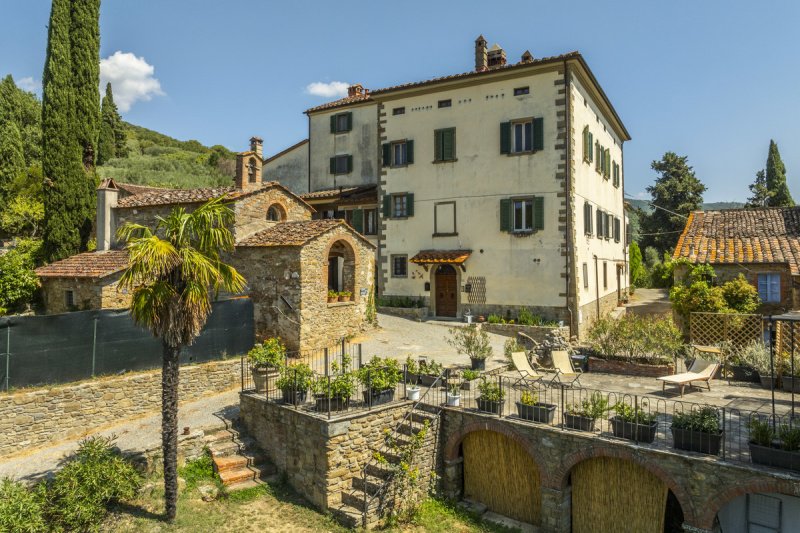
x=131 y=79
x=328 y=90
x=29 y=84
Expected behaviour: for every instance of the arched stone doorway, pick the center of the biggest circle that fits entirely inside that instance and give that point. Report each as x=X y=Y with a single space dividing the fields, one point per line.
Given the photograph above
x=500 y=473
x=611 y=494
x=342 y=268
x=447 y=291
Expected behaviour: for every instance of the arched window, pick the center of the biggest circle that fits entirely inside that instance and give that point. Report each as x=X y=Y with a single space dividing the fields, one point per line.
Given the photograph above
x=342 y=268
x=276 y=213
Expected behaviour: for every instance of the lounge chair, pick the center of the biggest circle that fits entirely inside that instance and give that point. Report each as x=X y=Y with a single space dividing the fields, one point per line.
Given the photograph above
x=527 y=374
x=566 y=373
x=701 y=370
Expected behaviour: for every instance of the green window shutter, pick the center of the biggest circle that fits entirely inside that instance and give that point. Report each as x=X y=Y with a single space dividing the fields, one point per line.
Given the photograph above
x=586 y=146
x=600 y=217
x=333 y=165
x=387 y=206
x=387 y=154
x=505 y=215
x=449 y=144
x=538 y=134
x=437 y=144
x=598 y=152
x=409 y=152
x=608 y=163
x=349 y=120
x=333 y=123
x=410 y=204
x=349 y=163
x=505 y=137
x=358 y=220
x=538 y=212
x=591 y=144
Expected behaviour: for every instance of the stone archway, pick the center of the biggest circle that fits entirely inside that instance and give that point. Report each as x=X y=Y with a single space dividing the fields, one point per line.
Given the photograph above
x=341 y=271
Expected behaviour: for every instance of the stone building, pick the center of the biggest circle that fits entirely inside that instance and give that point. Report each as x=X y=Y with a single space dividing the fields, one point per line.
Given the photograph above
x=289 y=260
x=496 y=189
x=763 y=244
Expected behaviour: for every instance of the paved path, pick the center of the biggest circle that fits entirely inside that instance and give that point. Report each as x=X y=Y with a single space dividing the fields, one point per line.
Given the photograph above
x=650 y=302
x=400 y=337
x=132 y=435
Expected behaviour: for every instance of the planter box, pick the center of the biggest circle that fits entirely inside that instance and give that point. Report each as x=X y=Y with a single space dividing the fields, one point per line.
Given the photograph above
x=767 y=382
x=538 y=412
x=321 y=403
x=697 y=441
x=582 y=423
x=633 y=431
x=790 y=382
x=743 y=373
x=468 y=385
x=489 y=406
x=613 y=366
x=478 y=364
x=378 y=397
x=426 y=380
x=294 y=397
x=768 y=456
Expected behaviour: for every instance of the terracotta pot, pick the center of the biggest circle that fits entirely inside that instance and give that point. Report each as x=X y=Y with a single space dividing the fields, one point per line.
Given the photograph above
x=344 y=298
x=332 y=299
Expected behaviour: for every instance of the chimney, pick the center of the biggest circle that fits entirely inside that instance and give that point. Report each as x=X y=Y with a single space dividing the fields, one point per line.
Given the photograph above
x=480 y=54
x=496 y=57
x=355 y=90
x=248 y=166
x=527 y=57
x=107 y=196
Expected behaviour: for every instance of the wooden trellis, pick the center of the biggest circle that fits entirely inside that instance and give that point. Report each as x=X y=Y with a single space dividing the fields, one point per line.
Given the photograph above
x=736 y=329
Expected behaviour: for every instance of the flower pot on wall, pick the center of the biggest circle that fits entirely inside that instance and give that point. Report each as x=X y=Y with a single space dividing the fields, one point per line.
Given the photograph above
x=264 y=378
x=294 y=397
x=697 y=441
x=582 y=423
x=336 y=403
x=538 y=412
x=769 y=456
x=412 y=393
x=453 y=400
x=478 y=364
x=633 y=431
x=489 y=406
x=378 y=397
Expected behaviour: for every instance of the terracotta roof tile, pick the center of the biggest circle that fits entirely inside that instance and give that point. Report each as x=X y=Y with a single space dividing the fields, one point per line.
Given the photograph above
x=290 y=233
x=86 y=265
x=347 y=100
x=441 y=256
x=345 y=194
x=729 y=236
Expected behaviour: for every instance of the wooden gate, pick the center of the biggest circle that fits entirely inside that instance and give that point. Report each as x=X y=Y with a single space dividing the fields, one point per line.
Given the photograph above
x=611 y=494
x=499 y=473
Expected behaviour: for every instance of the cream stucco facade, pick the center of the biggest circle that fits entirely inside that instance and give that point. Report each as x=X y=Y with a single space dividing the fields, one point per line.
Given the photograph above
x=289 y=168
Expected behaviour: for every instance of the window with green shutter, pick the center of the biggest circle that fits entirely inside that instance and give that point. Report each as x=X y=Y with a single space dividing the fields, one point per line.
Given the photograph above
x=538 y=134
x=505 y=214
x=387 y=206
x=341 y=122
x=409 y=151
x=538 y=213
x=587 y=147
x=387 y=154
x=341 y=164
x=598 y=159
x=358 y=220
x=617 y=229
x=600 y=219
x=505 y=137
x=587 y=218
x=591 y=143
x=522 y=215
x=607 y=163
x=444 y=145
x=401 y=153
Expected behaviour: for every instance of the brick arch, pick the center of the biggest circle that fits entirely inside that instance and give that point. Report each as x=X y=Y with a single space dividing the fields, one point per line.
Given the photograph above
x=715 y=503
x=451 y=449
x=560 y=477
x=352 y=250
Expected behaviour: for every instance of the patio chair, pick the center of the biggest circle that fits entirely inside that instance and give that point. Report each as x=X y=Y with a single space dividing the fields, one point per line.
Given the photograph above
x=527 y=374
x=701 y=370
x=566 y=373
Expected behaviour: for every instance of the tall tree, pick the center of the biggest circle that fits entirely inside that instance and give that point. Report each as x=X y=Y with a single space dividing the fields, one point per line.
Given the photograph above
x=25 y=109
x=776 y=179
x=84 y=37
x=107 y=144
x=761 y=195
x=170 y=279
x=68 y=192
x=12 y=158
x=675 y=193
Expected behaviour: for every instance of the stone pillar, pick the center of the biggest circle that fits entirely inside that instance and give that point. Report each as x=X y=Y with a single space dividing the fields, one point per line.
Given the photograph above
x=453 y=479
x=556 y=510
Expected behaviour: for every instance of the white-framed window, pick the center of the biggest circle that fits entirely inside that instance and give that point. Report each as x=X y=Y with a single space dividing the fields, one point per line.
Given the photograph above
x=522 y=136
x=371 y=222
x=399 y=266
x=769 y=287
x=587 y=218
x=400 y=205
x=399 y=154
x=523 y=214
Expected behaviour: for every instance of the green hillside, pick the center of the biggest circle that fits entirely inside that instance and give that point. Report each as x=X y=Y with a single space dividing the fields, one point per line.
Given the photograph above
x=708 y=206
x=159 y=160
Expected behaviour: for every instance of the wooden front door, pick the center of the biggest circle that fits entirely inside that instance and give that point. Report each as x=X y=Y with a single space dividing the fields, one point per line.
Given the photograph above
x=446 y=291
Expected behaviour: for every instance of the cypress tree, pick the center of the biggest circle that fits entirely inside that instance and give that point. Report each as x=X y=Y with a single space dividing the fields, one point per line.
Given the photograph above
x=12 y=157
x=84 y=37
x=107 y=145
x=776 y=179
x=65 y=231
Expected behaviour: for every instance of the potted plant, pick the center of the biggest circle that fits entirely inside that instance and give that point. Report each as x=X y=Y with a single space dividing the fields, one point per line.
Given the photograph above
x=412 y=370
x=265 y=359
x=766 y=449
x=454 y=395
x=582 y=416
x=294 y=381
x=468 y=377
x=634 y=423
x=379 y=377
x=333 y=296
x=429 y=371
x=529 y=408
x=473 y=342
x=737 y=365
x=492 y=396
x=334 y=392
x=756 y=355
x=697 y=431
x=344 y=296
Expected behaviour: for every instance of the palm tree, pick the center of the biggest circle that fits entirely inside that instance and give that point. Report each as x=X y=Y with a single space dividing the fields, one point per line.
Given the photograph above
x=171 y=272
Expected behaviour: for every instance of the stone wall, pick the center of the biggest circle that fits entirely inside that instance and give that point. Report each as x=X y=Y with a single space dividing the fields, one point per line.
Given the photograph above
x=42 y=416
x=614 y=366
x=537 y=333
x=413 y=313
x=251 y=211
x=88 y=293
x=588 y=312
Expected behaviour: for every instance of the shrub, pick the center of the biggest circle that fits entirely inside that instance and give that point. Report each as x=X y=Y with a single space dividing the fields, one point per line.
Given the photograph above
x=699 y=297
x=789 y=437
x=495 y=319
x=491 y=391
x=270 y=354
x=296 y=376
x=511 y=346
x=705 y=419
x=651 y=340
x=529 y=398
x=380 y=374
x=639 y=277
x=526 y=318
x=407 y=302
x=594 y=407
x=94 y=477
x=469 y=374
x=761 y=431
x=754 y=354
x=21 y=509
x=740 y=295
x=430 y=368
x=18 y=281
x=470 y=341
x=635 y=415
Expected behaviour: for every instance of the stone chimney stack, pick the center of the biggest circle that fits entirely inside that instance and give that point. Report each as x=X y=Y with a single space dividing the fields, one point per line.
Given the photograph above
x=248 y=166
x=527 y=57
x=355 y=90
x=496 y=57
x=480 y=54
x=107 y=196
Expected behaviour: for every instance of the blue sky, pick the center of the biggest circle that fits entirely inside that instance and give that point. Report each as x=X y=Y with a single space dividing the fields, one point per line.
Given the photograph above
x=712 y=80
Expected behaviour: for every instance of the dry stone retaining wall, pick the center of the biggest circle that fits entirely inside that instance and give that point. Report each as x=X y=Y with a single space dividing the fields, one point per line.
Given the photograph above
x=37 y=417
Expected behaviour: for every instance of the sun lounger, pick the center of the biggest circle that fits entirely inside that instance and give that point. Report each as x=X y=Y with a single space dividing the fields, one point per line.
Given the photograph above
x=566 y=373
x=701 y=370
x=527 y=374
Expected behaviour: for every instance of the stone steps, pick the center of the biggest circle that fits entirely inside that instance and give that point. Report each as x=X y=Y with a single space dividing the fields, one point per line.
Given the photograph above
x=237 y=460
x=245 y=473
